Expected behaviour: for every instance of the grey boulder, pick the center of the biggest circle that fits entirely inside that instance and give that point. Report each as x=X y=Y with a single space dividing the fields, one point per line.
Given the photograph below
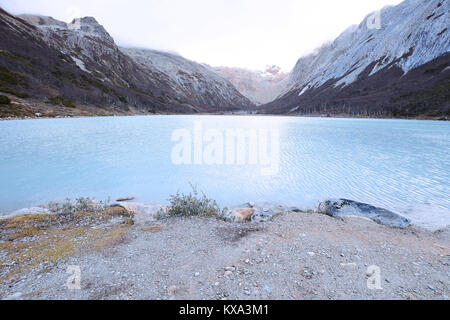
x=343 y=207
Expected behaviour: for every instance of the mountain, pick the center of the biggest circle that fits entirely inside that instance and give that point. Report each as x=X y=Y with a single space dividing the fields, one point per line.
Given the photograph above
x=78 y=66
x=260 y=87
x=401 y=69
x=192 y=81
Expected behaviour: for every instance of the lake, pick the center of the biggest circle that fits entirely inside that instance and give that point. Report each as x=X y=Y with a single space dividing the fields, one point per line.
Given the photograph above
x=399 y=165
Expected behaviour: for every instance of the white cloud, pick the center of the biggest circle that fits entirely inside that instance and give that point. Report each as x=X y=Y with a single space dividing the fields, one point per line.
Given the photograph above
x=241 y=33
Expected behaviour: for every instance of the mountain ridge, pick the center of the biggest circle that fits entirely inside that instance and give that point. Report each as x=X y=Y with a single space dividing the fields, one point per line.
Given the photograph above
x=78 y=64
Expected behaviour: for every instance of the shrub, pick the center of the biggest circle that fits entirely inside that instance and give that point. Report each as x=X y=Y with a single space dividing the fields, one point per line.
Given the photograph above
x=192 y=204
x=4 y=100
x=61 y=101
x=14 y=92
x=81 y=205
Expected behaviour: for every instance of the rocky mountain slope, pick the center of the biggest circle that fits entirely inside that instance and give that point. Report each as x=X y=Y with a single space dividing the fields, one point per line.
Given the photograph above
x=192 y=81
x=260 y=87
x=79 y=64
x=400 y=69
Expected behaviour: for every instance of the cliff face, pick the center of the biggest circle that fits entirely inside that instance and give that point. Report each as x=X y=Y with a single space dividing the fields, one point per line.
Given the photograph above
x=399 y=67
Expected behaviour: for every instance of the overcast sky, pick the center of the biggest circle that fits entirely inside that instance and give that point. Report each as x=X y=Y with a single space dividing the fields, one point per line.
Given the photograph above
x=236 y=33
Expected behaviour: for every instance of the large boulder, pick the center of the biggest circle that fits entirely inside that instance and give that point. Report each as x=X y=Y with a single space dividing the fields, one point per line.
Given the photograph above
x=343 y=207
x=265 y=211
x=256 y=212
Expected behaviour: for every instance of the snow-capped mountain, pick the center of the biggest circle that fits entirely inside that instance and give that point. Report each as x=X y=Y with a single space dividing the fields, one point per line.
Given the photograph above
x=259 y=86
x=378 y=63
x=191 y=80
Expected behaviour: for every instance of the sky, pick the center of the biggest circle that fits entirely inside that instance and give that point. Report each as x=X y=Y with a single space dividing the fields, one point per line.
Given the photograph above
x=234 y=33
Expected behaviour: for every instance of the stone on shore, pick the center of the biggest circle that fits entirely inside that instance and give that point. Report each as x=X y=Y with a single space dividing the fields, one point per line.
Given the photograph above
x=243 y=215
x=342 y=208
x=239 y=215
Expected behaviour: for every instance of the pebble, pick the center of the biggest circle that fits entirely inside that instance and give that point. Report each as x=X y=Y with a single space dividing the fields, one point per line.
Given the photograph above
x=172 y=290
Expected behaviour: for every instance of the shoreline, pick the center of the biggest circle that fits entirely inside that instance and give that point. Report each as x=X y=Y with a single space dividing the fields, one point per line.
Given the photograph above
x=296 y=255
x=225 y=115
x=264 y=211
x=143 y=113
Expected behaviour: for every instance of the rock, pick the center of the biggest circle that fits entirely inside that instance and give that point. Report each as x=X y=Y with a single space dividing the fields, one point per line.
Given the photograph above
x=125 y=199
x=25 y=212
x=117 y=211
x=342 y=207
x=197 y=274
x=263 y=211
x=240 y=215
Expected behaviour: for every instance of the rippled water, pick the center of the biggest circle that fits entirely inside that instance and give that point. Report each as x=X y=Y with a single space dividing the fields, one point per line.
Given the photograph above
x=399 y=165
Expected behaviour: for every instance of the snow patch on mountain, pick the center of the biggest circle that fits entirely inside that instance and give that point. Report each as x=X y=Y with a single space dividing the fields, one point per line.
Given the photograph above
x=259 y=86
x=411 y=34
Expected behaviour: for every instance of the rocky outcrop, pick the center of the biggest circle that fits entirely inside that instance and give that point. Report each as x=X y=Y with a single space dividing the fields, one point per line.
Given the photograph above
x=344 y=208
x=256 y=212
x=242 y=215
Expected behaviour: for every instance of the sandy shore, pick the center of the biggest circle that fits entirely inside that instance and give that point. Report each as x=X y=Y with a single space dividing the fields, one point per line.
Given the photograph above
x=294 y=256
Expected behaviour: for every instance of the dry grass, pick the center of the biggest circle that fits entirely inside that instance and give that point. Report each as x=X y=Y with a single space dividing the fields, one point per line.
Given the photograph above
x=54 y=240
x=112 y=237
x=25 y=232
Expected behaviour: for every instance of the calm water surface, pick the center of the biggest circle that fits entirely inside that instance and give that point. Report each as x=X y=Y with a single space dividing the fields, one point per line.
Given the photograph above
x=400 y=165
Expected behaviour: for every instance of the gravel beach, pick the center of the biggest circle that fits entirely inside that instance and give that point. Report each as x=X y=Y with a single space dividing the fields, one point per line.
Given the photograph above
x=297 y=255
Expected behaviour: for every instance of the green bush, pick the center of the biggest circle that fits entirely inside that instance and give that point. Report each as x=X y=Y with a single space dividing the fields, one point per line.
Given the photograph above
x=80 y=205
x=16 y=93
x=192 y=204
x=4 y=100
x=58 y=101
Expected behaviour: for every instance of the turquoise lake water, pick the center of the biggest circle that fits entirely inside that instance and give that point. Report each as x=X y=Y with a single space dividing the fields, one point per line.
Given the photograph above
x=400 y=165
